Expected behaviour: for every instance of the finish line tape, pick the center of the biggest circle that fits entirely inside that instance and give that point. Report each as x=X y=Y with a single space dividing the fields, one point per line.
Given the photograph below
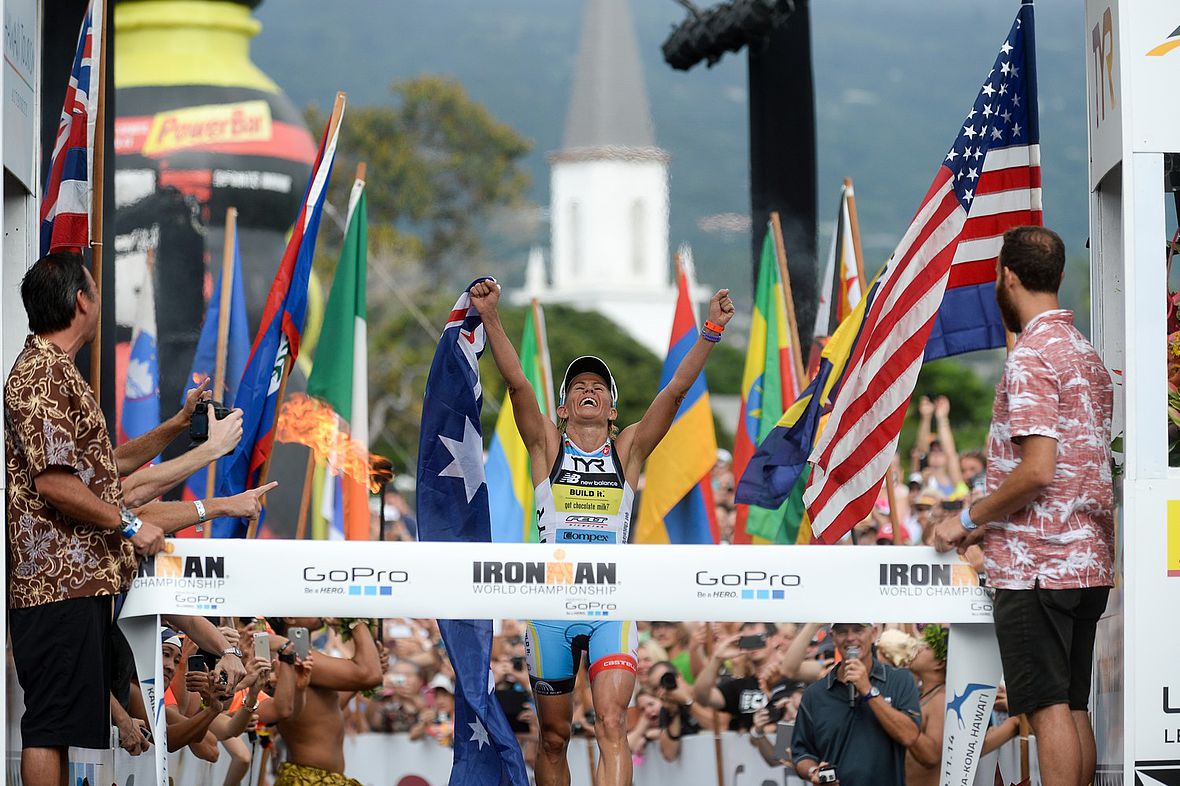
x=537 y=581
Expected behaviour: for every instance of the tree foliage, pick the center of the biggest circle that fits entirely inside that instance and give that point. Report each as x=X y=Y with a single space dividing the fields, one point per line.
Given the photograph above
x=437 y=164
x=971 y=404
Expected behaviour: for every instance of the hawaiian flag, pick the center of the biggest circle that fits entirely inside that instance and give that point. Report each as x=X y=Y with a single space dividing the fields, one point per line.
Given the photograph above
x=936 y=296
x=453 y=507
x=65 y=203
x=276 y=345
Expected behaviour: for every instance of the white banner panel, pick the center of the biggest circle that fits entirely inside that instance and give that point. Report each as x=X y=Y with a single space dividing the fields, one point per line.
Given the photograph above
x=973 y=674
x=1104 y=87
x=534 y=581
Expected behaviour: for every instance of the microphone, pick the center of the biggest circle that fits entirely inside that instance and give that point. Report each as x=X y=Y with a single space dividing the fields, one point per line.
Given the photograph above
x=850 y=654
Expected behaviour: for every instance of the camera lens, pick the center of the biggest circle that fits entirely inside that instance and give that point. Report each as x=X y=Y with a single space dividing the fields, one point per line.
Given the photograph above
x=668 y=680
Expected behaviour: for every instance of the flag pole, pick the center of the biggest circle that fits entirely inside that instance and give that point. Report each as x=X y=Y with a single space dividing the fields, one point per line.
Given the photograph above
x=289 y=363
x=717 y=752
x=899 y=538
x=854 y=225
x=225 y=307
x=305 y=497
x=98 y=175
x=543 y=355
x=226 y=304
x=785 y=279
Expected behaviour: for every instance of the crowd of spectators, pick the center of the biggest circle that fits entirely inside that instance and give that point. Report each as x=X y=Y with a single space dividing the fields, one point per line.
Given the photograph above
x=82 y=512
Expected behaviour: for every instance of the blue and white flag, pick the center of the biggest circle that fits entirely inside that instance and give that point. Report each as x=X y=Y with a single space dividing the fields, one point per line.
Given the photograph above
x=453 y=507
x=237 y=350
x=141 y=389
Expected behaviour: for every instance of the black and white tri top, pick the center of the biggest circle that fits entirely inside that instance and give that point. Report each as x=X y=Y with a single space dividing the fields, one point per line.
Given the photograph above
x=585 y=499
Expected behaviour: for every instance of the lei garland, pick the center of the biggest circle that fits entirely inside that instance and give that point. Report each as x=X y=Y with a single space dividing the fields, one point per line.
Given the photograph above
x=935 y=637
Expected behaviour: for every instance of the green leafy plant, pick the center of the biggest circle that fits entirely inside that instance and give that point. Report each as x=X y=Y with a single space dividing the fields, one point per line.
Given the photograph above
x=936 y=637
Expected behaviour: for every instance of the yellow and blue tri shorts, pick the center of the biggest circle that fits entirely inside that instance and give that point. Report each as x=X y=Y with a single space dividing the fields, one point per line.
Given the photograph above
x=553 y=651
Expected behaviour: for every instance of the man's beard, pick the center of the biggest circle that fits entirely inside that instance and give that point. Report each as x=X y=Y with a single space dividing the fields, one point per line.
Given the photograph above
x=1008 y=311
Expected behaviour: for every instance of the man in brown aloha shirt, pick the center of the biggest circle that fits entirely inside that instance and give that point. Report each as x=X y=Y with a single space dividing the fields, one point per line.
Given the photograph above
x=72 y=544
x=1047 y=520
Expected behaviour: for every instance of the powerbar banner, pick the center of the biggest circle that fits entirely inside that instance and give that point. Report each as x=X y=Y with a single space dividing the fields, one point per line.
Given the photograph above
x=213 y=578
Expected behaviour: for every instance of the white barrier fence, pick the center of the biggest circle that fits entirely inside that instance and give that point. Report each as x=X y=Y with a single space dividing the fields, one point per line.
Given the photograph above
x=394 y=760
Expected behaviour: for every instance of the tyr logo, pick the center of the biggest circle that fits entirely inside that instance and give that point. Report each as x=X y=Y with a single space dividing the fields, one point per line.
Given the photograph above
x=588 y=464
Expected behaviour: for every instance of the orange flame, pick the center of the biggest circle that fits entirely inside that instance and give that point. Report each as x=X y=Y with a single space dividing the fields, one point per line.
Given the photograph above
x=311 y=422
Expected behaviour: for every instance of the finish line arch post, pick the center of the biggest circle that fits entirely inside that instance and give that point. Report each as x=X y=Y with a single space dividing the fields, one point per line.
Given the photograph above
x=538 y=581
x=1132 y=70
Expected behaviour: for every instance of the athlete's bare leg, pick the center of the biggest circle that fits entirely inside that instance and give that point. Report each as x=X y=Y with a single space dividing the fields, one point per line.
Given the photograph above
x=612 y=691
x=555 y=714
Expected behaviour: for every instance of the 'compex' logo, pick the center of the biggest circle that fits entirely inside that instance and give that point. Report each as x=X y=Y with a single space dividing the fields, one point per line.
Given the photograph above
x=584 y=537
x=558 y=571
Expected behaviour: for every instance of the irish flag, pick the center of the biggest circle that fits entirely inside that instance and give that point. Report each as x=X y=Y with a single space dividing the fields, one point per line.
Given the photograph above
x=333 y=419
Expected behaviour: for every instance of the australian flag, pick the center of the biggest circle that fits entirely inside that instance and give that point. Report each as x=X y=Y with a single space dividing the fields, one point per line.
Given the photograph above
x=453 y=506
x=276 y=345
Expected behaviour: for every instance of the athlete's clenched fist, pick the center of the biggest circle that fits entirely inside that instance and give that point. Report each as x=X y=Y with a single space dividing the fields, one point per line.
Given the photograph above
x=721 y=308
x=484 y=296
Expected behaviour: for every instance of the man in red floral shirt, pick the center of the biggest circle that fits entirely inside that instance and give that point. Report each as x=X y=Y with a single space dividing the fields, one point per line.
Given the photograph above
x=1047 y=520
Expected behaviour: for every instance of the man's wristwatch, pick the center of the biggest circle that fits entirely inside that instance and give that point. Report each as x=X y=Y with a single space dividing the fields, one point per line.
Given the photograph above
x=130 y=523
x=873 y=693
x=232 y=651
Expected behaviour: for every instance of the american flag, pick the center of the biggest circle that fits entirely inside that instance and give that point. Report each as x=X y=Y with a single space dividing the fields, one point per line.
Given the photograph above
x=989 y=182
x=65 y=203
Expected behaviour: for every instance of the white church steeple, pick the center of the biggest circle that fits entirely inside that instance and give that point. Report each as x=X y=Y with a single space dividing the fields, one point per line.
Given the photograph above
x=608 y=200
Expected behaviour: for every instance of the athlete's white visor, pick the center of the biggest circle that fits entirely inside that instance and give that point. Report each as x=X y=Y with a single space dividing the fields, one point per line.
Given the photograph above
x=588 y=364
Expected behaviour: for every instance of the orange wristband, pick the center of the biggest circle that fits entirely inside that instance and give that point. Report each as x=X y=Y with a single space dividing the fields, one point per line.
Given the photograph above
x=714 y=327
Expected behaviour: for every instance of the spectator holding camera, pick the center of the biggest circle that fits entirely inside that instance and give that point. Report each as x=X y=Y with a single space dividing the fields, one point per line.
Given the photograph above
x=860 y=719
x=741 y=693
x=680 y=716
x=438 y=720
x=396 y=710
x=314 y=732
x=782 y=708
